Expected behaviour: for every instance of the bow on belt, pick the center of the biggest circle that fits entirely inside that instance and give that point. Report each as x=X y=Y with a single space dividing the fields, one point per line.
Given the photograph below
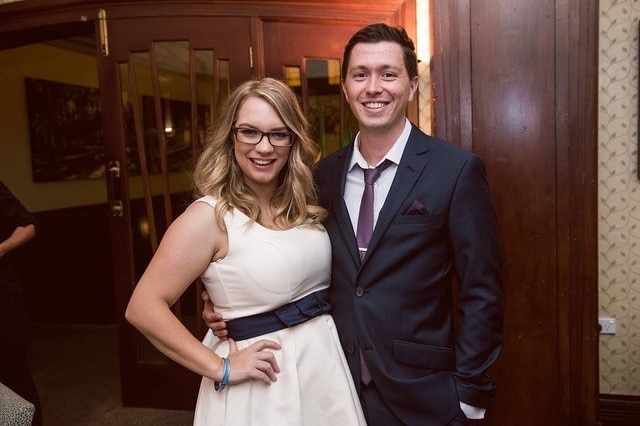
x=294 y=313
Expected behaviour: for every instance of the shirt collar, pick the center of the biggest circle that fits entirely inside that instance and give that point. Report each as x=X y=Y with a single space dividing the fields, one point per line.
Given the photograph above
x=394 y=154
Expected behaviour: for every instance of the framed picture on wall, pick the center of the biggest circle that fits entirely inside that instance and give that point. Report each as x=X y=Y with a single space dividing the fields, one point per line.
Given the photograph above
x=65 y=131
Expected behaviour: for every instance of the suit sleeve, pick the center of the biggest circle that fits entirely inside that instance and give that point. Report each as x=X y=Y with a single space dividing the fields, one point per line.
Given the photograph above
x=474 y=240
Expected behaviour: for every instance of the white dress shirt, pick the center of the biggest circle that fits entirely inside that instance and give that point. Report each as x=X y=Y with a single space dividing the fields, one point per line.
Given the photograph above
x=354 y=186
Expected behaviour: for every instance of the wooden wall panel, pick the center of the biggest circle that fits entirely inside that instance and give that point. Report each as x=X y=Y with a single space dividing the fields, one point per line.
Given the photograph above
x=513 y=130
x=515 y=81
x=619 y=410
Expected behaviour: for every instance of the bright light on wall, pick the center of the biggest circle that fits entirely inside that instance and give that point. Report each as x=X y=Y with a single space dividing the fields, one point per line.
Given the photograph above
x=423 y=49
x=422 y=13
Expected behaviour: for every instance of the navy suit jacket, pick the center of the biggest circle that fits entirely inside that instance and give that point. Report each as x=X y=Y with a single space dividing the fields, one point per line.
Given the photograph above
x=437 y=223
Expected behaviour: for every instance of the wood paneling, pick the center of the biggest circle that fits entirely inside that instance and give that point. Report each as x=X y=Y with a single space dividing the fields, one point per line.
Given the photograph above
x=513 y=127
x=66 y=270
x=515 y=81
x=619 y=410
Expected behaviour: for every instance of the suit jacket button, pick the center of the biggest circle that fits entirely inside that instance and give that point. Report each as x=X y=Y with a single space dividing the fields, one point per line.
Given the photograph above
x=359 y=292
x=351 y=349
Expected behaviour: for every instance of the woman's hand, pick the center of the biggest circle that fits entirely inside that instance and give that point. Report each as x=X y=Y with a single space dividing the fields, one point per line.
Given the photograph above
x=254 y=362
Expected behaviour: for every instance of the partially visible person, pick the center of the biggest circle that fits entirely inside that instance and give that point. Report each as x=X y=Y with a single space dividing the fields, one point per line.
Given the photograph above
x=17 y=227
x=399 y=241
x=256 y=240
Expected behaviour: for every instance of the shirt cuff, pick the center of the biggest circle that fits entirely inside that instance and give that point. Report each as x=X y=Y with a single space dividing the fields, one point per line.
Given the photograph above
x=472 y=413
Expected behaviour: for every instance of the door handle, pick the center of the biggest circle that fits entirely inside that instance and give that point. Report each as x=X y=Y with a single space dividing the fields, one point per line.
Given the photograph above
x=113 y=177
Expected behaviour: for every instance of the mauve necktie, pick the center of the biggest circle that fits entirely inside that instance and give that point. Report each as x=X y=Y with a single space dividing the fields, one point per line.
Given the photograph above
x=365 y=217
x=364 y=232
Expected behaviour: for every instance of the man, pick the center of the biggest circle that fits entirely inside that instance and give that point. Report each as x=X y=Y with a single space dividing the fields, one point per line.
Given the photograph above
x=433 y=220
x=17 y=227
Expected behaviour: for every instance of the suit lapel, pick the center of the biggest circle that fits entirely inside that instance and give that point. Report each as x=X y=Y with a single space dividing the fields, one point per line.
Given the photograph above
x=338 y=179
x=409 y=170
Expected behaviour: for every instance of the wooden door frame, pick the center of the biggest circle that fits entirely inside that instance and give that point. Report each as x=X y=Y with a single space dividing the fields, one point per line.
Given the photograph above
x=576 y=40
x=23 y=16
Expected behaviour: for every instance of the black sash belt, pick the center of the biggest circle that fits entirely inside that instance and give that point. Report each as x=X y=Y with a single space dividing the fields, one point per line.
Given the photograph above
x=291 y=314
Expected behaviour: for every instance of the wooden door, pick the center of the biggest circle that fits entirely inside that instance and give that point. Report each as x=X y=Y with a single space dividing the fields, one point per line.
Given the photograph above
x=161 y=80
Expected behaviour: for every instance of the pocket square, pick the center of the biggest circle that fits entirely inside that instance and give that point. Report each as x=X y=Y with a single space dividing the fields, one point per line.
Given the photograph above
x=417 y=208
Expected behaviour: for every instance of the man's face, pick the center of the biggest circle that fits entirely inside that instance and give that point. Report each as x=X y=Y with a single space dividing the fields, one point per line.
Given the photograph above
x=378 y=88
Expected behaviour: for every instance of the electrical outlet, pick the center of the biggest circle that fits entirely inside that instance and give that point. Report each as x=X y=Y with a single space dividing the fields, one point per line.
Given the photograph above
x=607 y=325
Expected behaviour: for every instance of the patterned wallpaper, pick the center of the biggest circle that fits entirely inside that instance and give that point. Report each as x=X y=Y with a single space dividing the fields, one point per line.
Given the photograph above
x=619 y=195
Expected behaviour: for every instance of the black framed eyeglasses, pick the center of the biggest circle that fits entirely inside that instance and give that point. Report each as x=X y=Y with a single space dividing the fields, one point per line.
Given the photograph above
x=254 y=136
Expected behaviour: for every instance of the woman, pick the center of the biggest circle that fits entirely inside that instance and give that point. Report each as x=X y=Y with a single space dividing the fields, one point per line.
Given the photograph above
x=256 y=241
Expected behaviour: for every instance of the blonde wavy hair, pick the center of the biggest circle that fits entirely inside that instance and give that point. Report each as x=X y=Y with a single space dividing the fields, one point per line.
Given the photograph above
x=217 y=173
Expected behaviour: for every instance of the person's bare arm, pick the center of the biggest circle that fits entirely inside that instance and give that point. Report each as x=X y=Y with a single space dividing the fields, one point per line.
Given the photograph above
x=188 y=246
x=20 y=236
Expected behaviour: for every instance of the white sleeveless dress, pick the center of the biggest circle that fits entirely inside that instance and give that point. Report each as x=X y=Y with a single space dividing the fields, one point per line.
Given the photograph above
x=263 y=270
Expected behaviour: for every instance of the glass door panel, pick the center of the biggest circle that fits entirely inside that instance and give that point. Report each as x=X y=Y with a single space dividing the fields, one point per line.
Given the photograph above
x=206 y=108
x=161 y=118
x=223 y=80
x=323 y=99
x=311 y=67
x=332 y=121
x=293 y=78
